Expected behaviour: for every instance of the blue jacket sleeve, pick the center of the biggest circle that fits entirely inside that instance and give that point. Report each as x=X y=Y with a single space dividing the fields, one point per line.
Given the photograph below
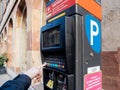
x=21 y=82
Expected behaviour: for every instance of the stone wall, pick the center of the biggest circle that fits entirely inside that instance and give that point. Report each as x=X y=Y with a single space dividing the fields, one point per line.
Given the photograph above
x=110 y=44
x=23 y=33
x=111 y=70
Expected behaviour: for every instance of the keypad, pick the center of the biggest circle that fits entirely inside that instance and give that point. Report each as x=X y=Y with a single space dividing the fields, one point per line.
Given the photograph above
x=57 y=62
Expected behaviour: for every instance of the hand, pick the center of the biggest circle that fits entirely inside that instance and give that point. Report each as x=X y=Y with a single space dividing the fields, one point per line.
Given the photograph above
x=35 y=72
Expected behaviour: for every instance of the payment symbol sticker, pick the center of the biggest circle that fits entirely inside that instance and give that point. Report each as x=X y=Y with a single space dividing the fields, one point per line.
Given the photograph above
x=50 y=84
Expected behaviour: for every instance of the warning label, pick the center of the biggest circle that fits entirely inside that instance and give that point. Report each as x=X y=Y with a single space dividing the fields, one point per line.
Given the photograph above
x=58 y=6
x=93 y=81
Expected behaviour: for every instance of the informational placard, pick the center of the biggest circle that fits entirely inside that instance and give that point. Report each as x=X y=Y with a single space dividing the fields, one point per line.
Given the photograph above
x=93 y=81
x=58 y=6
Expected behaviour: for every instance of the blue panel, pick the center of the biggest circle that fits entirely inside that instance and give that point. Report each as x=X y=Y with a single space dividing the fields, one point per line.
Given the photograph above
x=93 y=32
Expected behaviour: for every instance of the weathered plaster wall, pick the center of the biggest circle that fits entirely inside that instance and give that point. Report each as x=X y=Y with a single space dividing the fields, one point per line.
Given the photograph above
x=110 y=25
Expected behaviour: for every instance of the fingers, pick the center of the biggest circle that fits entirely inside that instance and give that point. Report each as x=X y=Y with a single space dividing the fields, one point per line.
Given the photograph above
x=37 y=78
x=41 y=66
x=35 y=72
x=39 y=70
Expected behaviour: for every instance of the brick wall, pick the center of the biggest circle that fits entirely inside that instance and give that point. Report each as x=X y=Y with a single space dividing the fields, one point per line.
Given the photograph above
x=111 y=70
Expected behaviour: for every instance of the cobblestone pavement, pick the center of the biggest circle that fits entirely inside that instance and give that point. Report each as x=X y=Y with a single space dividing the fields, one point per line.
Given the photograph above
x=4 y=78
x=38 y=87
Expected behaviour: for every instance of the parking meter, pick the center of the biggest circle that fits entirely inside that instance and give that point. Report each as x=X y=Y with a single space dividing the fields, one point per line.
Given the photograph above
x=71 y=45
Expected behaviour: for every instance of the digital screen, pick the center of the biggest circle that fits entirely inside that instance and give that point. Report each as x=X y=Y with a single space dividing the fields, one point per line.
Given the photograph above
x=51 y=38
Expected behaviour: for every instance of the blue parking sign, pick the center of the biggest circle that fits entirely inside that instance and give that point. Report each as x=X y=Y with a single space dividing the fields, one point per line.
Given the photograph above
x=93 y=32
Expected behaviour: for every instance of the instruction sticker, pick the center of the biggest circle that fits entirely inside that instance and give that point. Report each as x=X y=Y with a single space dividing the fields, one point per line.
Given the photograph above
x=58 y=6
x=93 y=81
x=93 y=69
x=50 y=84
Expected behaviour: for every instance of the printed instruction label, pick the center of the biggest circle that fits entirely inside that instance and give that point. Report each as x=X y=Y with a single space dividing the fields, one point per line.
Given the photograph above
x=58 y=6
x=93 y=81
x=50 y=84
x=93 y=69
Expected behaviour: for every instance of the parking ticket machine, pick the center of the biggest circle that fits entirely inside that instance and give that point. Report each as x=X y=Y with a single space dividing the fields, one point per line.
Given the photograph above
x=71 y=46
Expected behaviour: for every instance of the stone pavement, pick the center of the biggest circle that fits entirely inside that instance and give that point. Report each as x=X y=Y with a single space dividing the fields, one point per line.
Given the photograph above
x=38 y=87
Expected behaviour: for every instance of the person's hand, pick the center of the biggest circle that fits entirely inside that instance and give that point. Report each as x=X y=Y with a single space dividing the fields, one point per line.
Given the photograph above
x=35 y=72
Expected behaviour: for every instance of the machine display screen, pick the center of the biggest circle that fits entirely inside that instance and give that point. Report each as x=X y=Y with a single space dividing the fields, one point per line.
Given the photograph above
x=51 y=38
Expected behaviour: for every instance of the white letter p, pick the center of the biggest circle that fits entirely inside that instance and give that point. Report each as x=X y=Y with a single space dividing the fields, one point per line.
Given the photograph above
x=93 y=32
